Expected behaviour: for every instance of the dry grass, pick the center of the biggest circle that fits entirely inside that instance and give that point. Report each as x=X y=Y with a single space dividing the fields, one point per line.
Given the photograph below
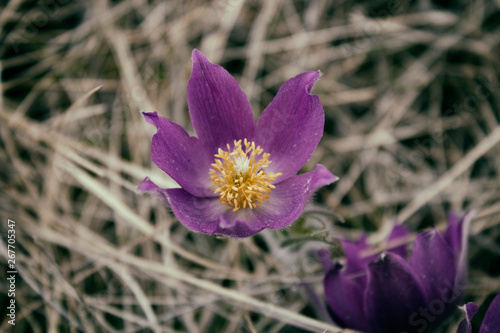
x=411 y=93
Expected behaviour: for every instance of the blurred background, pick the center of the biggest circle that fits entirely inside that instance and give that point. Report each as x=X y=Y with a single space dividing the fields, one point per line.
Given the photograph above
x=411 y=94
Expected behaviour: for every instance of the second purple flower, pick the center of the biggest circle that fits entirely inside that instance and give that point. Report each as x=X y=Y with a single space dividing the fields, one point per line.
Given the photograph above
x=393 y=292
x=239 y=177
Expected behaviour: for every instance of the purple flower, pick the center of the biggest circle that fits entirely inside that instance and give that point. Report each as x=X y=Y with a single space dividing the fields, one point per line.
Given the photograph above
x=491 y=321
x=239 y=177
x=390 y=292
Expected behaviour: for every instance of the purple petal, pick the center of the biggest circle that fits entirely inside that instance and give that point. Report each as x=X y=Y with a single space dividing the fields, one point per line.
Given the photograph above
x=181 y=157
x=287 y=200
x=356 y=262
x=457 y=236
x=220 y=111
x=291 y=126
x=399 y=234
x=345 y=299
x=491 y=321
x=435 y=266
x=205 y=215
x=148 y=186
x=465 y=325
x=323 y=256
x=393 y=295
x=208 y=215
x=454 y=232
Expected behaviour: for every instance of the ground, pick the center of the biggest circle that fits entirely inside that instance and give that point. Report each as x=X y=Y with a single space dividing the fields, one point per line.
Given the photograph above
x=411 y=94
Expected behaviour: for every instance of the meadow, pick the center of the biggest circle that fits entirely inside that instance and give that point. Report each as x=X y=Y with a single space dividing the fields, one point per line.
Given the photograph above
x=411 y=95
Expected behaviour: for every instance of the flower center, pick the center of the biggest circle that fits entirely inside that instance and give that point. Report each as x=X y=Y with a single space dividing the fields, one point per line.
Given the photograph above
x=239 y=179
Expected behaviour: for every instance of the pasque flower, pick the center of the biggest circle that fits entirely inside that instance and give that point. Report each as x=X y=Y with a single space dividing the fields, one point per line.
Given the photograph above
x=238 y=177
x=491 y=321
x=392 y=292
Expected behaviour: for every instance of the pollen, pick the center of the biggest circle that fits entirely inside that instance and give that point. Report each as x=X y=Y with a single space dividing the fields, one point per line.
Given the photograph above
x=239 y=175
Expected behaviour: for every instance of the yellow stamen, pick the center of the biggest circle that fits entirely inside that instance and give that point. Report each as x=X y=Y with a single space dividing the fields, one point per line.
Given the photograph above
x=240 y=180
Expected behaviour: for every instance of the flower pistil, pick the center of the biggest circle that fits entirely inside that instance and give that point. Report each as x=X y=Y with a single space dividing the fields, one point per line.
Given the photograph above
x=239 y=178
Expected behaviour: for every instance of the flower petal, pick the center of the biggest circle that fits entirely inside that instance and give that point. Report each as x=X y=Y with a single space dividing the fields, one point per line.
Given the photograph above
x=219 y=109
x=148 y=186
x=182 y=157
x=399 y=233
x=356 y=263
x=323 y=256
x=291 y=126
x=453 y=233
x=287 y=200
x=201 y=214
x=345 y=299
x=457 y=226
x=491 y=321
x=457 y=236
x=393 y=295
x=465 y=325
x=208 y=215
x=435 y=266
